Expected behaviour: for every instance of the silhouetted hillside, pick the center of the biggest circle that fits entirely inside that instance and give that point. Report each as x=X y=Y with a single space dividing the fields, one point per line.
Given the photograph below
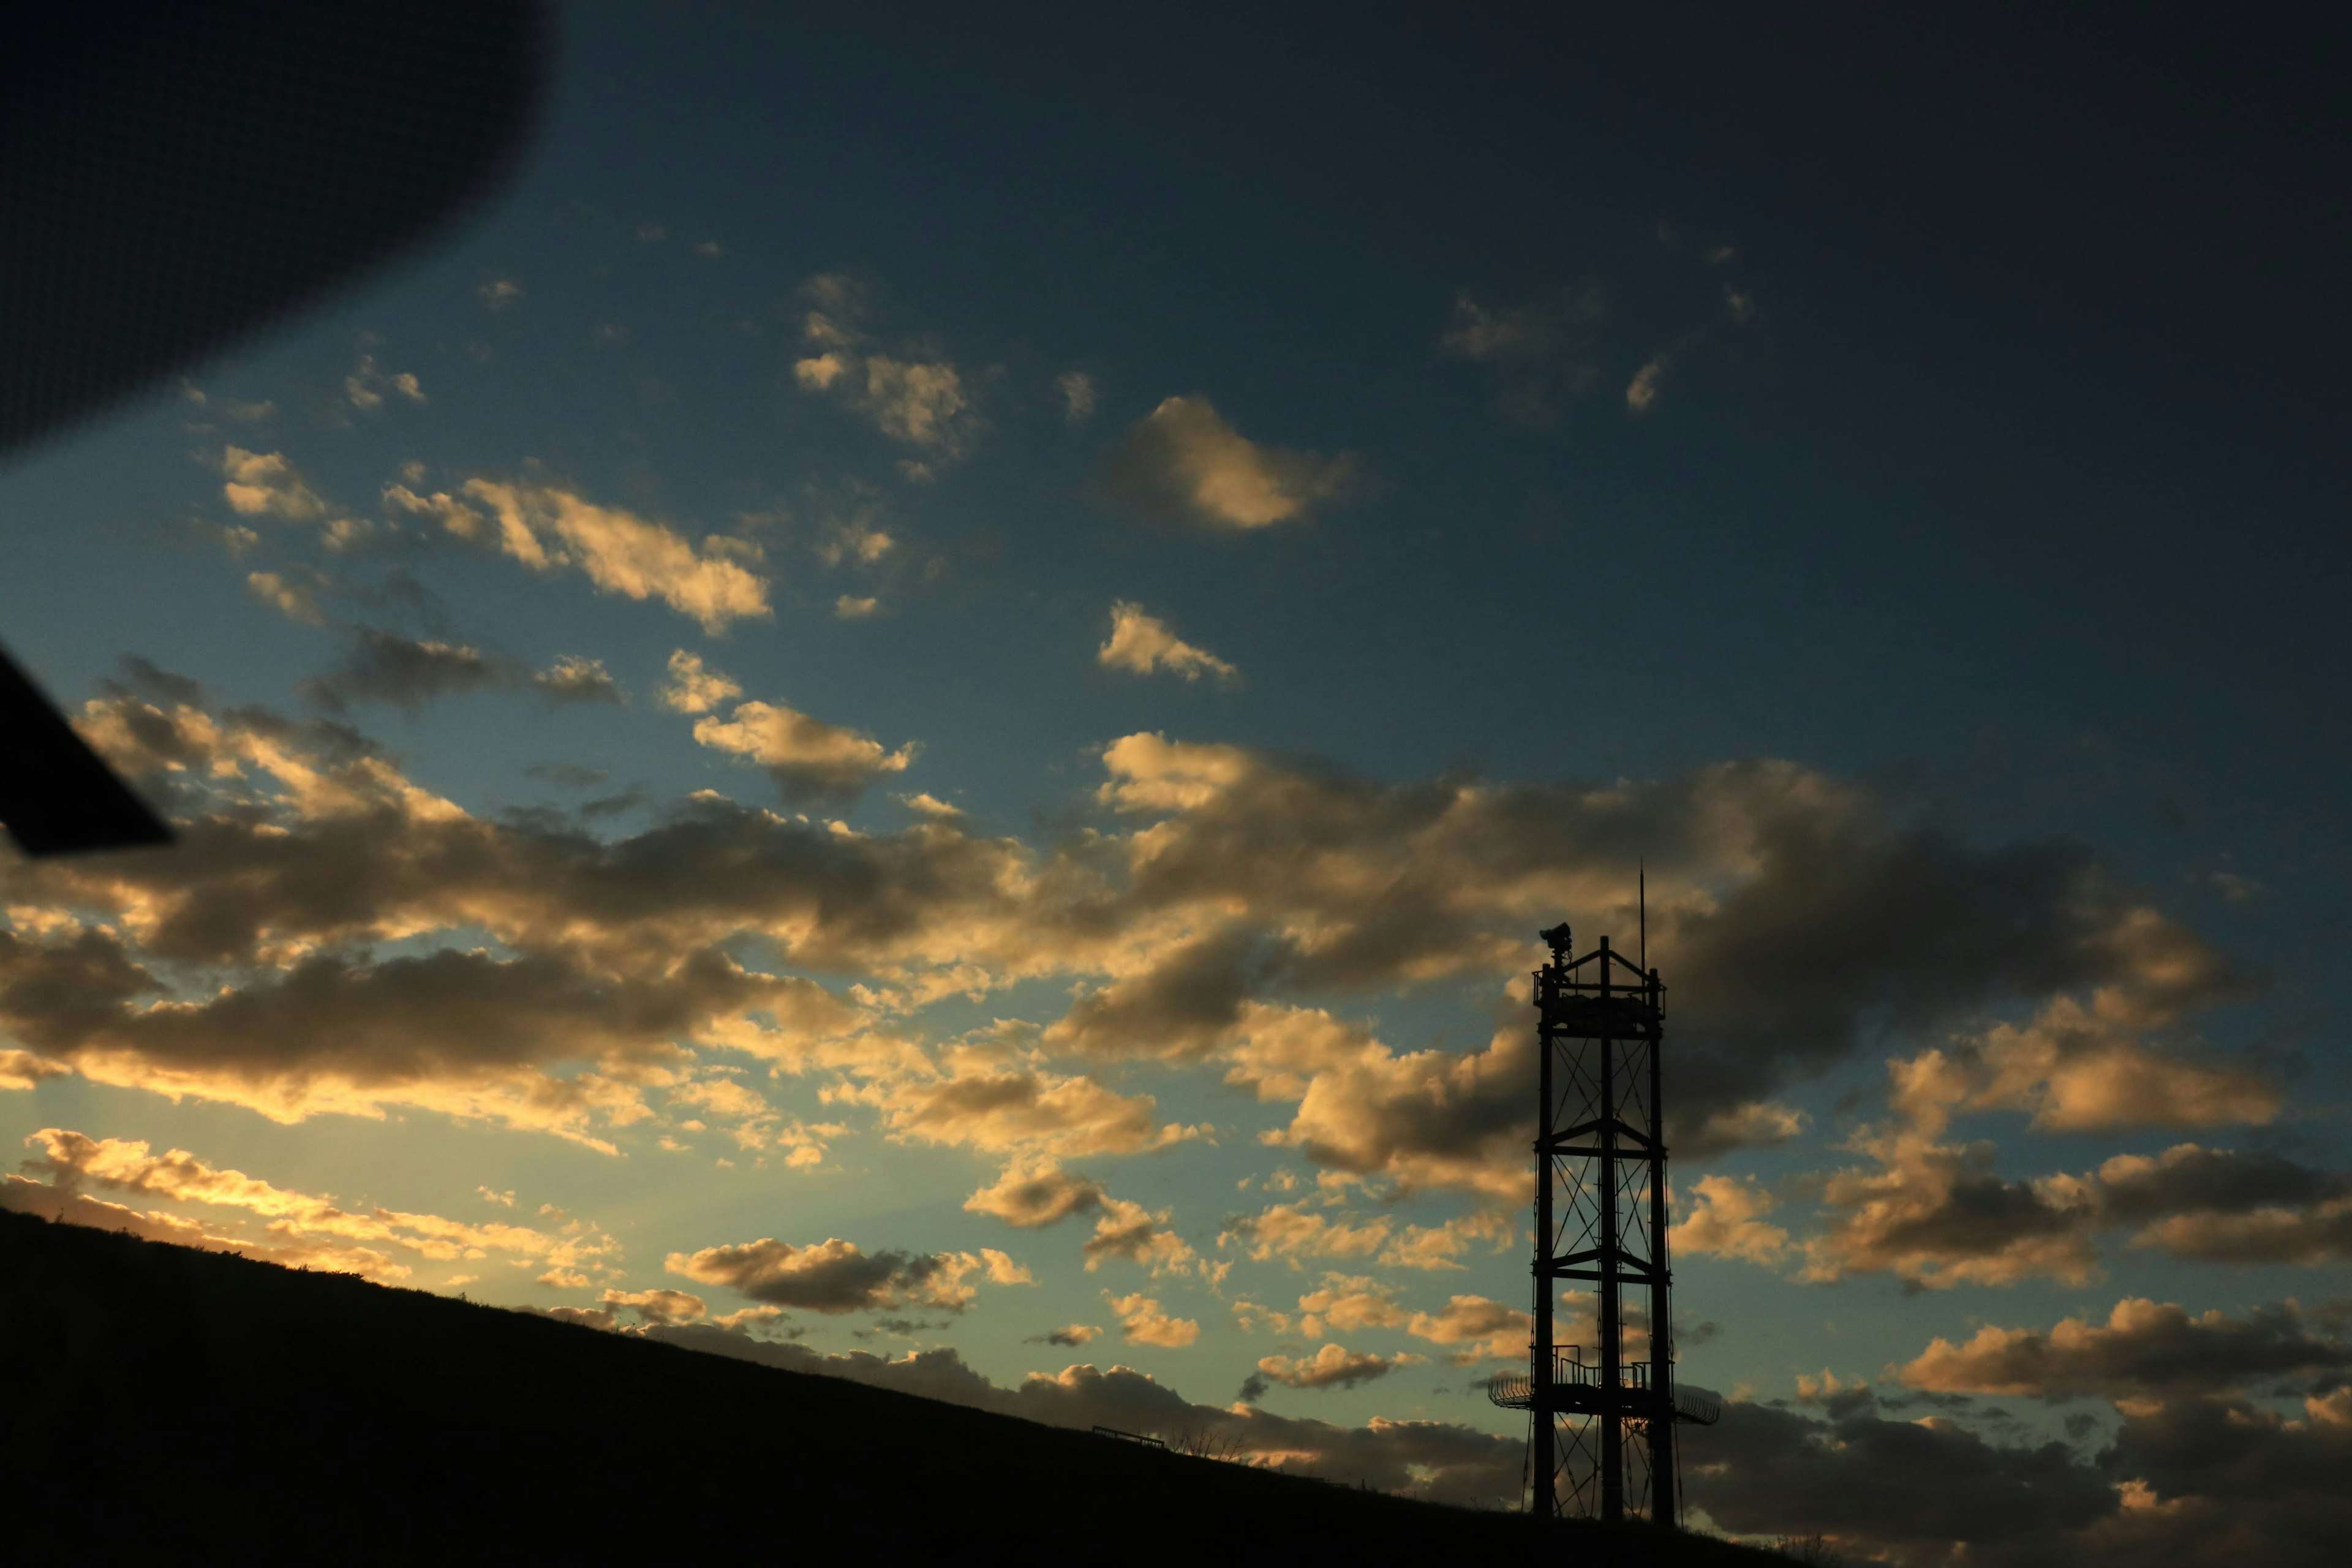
x=158 y=1398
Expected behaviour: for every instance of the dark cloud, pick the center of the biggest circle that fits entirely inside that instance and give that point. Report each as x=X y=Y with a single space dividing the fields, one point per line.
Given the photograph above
x=1184 y=1004
x=1874 y=1483
x=2187 y=1178
x=384 y=667
x=833 y=1276
x=2145 y=1348
x=1443 y=1460
x=1029 y=1199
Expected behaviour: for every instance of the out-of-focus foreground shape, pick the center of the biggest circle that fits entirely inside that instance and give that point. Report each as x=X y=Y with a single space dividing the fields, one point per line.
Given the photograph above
x=175 y=175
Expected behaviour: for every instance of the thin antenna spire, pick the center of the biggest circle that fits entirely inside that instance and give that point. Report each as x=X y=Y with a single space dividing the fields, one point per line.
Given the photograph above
x=1642 y=874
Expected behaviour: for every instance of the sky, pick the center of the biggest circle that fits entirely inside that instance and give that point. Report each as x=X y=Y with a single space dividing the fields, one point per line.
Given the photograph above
x=912 y=714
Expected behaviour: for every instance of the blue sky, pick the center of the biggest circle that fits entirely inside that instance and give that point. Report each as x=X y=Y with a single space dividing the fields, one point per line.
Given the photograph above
x=1854 y=482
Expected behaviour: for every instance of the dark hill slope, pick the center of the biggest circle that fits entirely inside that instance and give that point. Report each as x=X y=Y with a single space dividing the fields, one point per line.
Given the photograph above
x=159 y=1400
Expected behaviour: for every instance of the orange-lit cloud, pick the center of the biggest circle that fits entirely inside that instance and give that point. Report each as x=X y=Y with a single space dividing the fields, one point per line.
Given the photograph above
x=1143 y=1323
x=1141 y=644
x=1184 y=460
x=1333 y=1366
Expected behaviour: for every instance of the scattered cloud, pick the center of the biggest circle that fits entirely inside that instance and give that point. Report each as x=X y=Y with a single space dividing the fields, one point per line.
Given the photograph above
x=1725 y=1219
x=1073 y=1335
x=265 y=484
x=384 y=667
x=924 y=403
x=1333 y=1366
x=546 y=527
x=1643 y=390
x=1543 y=353
x=1129 y=1231
x=367 y=386
x=1028 y=1197
x=693 y=686
x=293 y=600
x=1078 y=395
x=1141 y=644
x=808 y=758
x=1182 y=461
x=574 y=678
x=1143 y=1323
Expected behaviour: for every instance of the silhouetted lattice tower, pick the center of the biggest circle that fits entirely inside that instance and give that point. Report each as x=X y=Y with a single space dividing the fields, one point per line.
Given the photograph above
x=1601 y=1422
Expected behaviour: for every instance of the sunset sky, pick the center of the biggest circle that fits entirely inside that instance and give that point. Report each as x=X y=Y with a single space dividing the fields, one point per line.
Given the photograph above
x=914 y=710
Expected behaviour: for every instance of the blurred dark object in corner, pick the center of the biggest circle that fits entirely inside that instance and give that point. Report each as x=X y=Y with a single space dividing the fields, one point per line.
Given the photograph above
x=177 y=175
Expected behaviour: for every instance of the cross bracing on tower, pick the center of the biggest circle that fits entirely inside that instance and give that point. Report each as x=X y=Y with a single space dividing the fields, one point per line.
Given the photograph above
x=1602 y=1414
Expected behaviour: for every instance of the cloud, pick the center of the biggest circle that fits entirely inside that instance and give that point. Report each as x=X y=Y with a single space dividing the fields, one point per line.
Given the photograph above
x=1725 y=1220
x=819 y=372
x=293 y=600
x=498 y=293
x=1287 y=1230
x=264 y=484
x=1789 y=873
x=459 y=1032
x=850 y=608
x=1027 y=1198
x=1182 y=461
x=576 y=678
x=1643 y=390
x=1333 y=1366
x=809 y=759
x=545 y=528
x=23 y=1069
x=925 y=402
x=1142 y=1321
x=1438 y=1246
x=2144 y=1349
x=1907 y=1489
x=1078 y=395
x=1074 y=1335
x=1541 y=352
x=856 y=542
x=997 y=1107
x=1143 y=644
x=75 y=1161
x=66 y=1207
x=1484 y=1328
x=1128 y=1230
x=1938 y=1215
x=831 y=1277
x=366 y=387
x=1445 y=1461
x=693 y=688
x=384 y=667
x=1798 y=917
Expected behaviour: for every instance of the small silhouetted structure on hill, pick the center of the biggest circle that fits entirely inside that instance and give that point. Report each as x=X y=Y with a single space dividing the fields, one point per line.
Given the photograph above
x=1601 y=1423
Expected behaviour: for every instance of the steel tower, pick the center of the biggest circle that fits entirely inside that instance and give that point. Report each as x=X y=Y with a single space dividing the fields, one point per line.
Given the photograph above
x=1600 y=1418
